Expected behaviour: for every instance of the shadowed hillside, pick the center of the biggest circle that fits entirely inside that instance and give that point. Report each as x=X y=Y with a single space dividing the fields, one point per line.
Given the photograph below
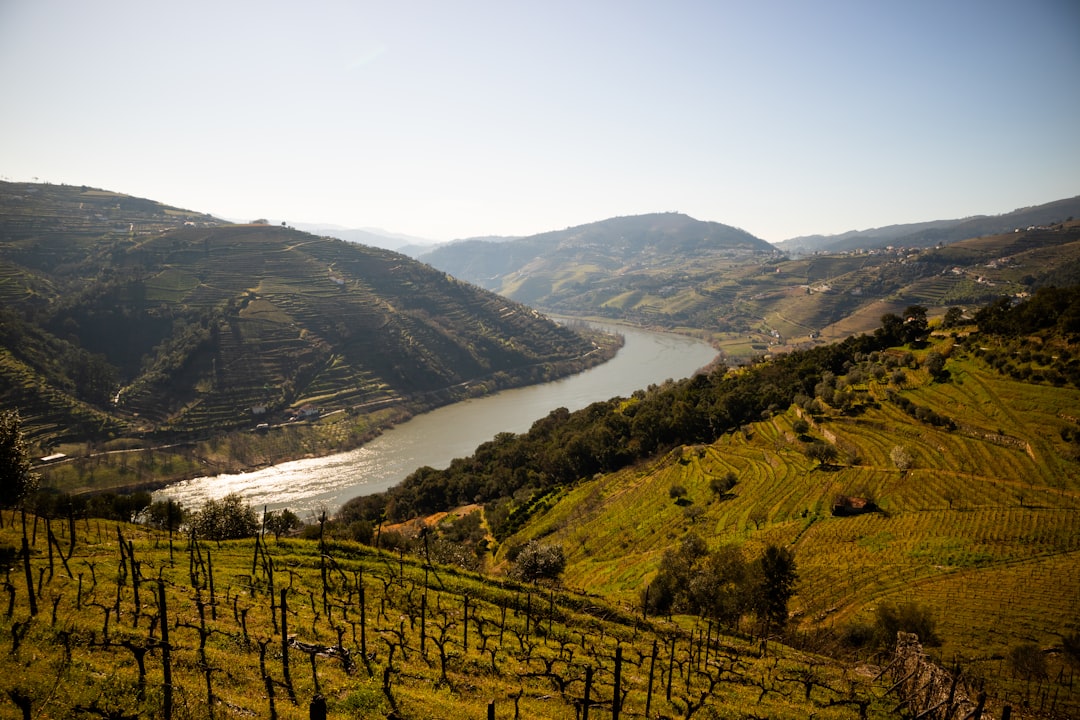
x=123 y=316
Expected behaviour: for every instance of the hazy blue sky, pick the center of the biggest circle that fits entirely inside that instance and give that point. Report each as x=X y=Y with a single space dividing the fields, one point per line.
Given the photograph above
x=448 y=119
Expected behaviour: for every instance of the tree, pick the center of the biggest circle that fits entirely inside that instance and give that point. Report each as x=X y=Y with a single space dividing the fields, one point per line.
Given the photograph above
x=719 y=588
x=281 y=522
x=935 y=364
x=669 y=590
x=166 y=515
x=777 y=576
x=824 y=453
x=540 y=562
x=916 y=327
x=891 y=331
x=901 y=457
x=17 y=478
x=953 y=316
x=225 y=519
x=721 y=485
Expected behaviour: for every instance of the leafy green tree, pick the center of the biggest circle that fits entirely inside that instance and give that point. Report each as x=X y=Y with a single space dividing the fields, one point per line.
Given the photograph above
x=281 y=522
x=225 y=519
x=776 y=578
x=17 y=478
x=954 y=316
x=668 y=592
x=719 y=588
x=537 y=561
x=916 y=326
x=824 y=453
x=721 y=485
x=166 y=515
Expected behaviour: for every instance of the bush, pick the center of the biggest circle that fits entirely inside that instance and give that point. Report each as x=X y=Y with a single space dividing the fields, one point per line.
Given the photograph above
x=907 y=617
x=1027 y=661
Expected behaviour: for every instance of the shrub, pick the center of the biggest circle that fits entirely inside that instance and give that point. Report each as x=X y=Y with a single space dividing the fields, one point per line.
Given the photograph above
x=907 y=617
x=1027 y=661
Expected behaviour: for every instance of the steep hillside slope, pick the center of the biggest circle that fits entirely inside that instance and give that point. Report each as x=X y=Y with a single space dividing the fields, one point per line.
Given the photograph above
x=956 y=490
x=206 y=327
x=938 y=474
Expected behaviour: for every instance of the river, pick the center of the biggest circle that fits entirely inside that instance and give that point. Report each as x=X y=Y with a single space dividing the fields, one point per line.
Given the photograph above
x=310 y=486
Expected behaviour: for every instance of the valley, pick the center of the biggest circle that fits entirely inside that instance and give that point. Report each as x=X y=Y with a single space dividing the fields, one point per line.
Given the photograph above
x=898 y=425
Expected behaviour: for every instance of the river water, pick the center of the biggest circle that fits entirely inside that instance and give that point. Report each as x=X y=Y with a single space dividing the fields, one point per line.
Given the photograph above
x=310 y=486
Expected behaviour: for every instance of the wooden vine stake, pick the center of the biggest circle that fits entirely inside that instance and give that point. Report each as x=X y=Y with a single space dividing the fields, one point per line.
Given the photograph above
x=166 y=654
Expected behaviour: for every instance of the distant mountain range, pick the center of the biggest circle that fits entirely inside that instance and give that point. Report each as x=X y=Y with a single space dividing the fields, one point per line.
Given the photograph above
x=750 y=297
x=929 y=234
x=405 y=244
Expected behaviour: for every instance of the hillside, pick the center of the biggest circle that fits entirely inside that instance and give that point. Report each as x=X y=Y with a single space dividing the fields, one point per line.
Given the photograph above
x=928 y=234
x=123 y=317
x=553 y=269
x=126 y=621
x=941 y=474
x=750 y=303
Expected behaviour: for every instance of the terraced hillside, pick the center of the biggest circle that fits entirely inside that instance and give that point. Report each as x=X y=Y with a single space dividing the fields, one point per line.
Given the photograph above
x=205 y=327
x=749 y=297
x=973 y=480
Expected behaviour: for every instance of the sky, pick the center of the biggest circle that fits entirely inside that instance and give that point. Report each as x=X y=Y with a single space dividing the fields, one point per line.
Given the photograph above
x=445 y=120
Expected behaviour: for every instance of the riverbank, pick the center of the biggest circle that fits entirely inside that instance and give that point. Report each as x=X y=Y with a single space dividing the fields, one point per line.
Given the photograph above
x=435 y=439
x=128 y=464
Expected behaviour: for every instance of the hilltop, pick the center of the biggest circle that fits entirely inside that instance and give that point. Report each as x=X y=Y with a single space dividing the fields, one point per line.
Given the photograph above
x=748 y=297
x=123 y=317
x=553 y=269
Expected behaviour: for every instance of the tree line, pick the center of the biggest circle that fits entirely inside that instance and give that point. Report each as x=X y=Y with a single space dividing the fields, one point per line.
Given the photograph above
x=512 y=470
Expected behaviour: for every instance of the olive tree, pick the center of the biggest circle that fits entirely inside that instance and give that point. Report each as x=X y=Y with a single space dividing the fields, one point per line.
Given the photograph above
x=17 y=478
x=537 y=561
x=225 y=519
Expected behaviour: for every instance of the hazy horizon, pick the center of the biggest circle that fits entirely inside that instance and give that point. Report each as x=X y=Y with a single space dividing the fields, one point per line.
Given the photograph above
x=442 y=122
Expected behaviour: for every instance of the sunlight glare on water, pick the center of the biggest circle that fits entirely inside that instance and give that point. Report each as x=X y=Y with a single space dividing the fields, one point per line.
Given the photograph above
x=310 y=486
